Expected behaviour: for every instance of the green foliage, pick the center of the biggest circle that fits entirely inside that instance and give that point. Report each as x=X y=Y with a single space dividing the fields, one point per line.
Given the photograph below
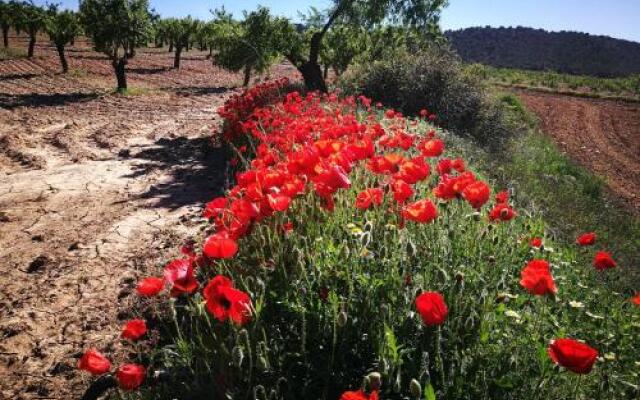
x=28 y=17
x=251 y=45
x=303 y=47
x=115 y=25
x=62 y=26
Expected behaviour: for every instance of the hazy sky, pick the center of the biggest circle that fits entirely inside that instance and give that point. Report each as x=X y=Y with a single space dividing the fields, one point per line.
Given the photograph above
x=617 y=18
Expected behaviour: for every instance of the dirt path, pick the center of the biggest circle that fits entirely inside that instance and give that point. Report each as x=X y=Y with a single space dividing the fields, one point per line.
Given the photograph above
x=95 y=195
x=602 y=135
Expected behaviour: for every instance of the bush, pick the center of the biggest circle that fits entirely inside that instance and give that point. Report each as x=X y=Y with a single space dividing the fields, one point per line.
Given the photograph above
x=310 y=278
x=434 y=80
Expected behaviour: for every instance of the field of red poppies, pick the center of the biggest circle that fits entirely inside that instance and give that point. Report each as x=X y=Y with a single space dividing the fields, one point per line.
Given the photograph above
x=355 y=257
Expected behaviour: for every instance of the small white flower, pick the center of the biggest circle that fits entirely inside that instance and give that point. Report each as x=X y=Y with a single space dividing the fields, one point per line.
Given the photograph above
x=576 y=304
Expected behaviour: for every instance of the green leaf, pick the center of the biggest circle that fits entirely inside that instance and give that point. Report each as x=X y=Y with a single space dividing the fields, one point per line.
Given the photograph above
x=429 y=393
x=392 y=343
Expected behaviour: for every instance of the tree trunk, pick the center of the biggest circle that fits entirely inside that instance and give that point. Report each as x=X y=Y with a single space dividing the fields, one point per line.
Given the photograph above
x=32 y=45
x=63 y=59
x=325 y=74
x=170 y=46
x=312 y=75
x=5 y=37
x=119 y=67
x=247 y=75
x=210 y=56
x=176 y=59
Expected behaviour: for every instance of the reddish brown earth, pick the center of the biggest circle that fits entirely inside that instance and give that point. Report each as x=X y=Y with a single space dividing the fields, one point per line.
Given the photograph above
x=601 y=135
x=96 y=190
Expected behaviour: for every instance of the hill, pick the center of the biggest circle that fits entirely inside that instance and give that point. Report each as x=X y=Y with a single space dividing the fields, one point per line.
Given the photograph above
x=537 y=49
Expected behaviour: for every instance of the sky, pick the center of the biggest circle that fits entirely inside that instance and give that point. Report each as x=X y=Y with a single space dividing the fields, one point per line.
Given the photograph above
x=616 y=18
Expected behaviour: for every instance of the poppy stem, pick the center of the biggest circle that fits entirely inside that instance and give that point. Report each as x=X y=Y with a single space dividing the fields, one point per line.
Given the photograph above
x=577 y=387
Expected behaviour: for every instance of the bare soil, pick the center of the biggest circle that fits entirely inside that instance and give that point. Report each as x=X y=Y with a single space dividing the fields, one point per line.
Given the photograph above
x=601 y=135
x=96 y=190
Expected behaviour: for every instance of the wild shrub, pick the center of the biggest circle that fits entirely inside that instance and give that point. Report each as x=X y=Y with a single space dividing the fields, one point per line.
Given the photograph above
x=431 y=79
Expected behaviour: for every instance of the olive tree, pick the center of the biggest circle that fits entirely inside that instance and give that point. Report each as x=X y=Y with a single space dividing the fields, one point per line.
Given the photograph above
x=180 y=32
x=366 y=13
x=115 y=26
x=62 y=28
x=29 y=18
x=7 y=12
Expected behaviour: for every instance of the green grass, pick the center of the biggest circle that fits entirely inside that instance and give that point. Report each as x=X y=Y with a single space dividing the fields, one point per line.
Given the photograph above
x=135 y=91
x=627 y=87
x=12 y=53
x=547 y=183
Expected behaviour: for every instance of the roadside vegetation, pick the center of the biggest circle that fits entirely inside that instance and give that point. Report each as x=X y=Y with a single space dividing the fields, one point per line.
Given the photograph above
x=395 y=227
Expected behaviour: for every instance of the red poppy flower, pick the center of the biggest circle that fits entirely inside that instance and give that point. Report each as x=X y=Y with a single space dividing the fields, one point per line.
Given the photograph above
x=226 y=303
x=458 y=165
x=401 y=191
x=502 y=197
x=387 y=164
x=572 y=355
x=603 y=261
x=422 y=211
x=586 y=239
x=149 y=287
x=335 y=177
x=369 y=197
x=636 y=300
x=502 y=212
x=413 y=171
x=432 y=148
x=220 y=246
x=215 y=207
x=94 y=362
x=130 y=376
x=134 y=329
x=537 y=279
x=477 y=194
x=536 y=242
x=432 y=308
x=279 y=202
x=287 y=227
x=359 y=395
x=179 y=273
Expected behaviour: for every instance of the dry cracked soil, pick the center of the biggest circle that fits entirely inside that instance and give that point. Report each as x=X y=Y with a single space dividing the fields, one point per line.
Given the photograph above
x=96 y=190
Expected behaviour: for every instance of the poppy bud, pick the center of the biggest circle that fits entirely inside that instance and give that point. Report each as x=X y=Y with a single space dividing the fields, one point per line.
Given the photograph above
x=342 y=319
x=259 y=393
x=459 y=277
x=244 y=335
x=375 y=380
x=237 y=356
x=415 y=389
x=492 y=259
x=262 y=363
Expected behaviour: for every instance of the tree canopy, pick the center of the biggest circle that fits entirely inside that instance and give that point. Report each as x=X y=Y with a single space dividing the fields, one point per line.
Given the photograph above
x=116 y=27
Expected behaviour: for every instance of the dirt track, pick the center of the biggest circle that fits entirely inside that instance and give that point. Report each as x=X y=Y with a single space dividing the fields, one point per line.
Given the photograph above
x=96 y=189
x=602 y=135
